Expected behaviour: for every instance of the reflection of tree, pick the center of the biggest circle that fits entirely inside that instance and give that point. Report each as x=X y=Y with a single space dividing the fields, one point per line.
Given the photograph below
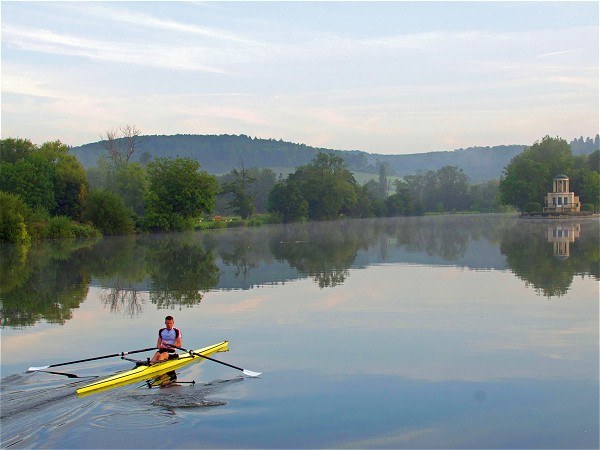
x=531 y=257
x=180 y=271
x=324 y=251
x=119 y=267
x=123 y=297
x=245 y=250
x=446 y=237
x=14 y=266
x=47 y=285
x=49 y=279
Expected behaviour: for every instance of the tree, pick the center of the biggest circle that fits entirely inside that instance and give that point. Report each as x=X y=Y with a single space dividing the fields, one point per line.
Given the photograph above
x=402 y=203
x=13 y=150
x=70 y=188
x=131 y=184
x=265 y=179
x=177 y=193
x=286 y=202
x=32 y=178
x=528 y=177
x=13 y=213
x=383 y=181
x=369 y=203
x=327 y=185
x=242 y=201
x=484 y=196
x=594 y=161
x=107 y=212
x=120 y=145
x=590 y=189
x=453 y=188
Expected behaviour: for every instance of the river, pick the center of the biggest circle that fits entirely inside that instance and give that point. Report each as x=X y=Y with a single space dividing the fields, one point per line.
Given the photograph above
x=432 y=332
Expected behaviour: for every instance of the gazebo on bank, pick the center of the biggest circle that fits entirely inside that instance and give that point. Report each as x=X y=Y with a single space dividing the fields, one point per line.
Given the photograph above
x=561 y=200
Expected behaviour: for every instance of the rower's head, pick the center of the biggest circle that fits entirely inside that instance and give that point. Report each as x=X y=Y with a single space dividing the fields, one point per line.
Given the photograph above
x=169 y=322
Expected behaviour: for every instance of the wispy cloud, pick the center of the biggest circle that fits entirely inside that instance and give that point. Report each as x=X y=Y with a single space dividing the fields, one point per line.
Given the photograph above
x=50 y=42
x=115 y=14
x=545 y=55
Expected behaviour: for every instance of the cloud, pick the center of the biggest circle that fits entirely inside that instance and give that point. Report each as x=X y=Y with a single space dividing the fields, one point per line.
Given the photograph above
x=146 y=54
x=545 y=55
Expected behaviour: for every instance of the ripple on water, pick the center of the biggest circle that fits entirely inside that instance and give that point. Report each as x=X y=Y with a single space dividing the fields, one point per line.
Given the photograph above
x=133 y=419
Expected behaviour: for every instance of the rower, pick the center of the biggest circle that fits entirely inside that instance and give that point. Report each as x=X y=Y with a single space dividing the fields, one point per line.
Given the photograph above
x=167 y=337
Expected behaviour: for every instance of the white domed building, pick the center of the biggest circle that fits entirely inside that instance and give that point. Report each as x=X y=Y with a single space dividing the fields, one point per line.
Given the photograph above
x=561 y=199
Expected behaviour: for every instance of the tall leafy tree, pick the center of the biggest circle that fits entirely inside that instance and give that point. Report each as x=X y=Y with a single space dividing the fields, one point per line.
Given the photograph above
x=327 y=185
x=13 y=214
x=286 y=202
x=177 y=193
x=590 y=189
x=242 y=197
x=70 y=187
x=528 y=177
x=108 y=213
x=33 y=179
x=14 y=149
x=453 y=188
x=383 y=181
x=402 y=203
x=131 y=184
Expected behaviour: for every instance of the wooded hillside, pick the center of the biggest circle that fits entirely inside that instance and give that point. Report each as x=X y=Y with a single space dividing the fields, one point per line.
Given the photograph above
x=220 y=154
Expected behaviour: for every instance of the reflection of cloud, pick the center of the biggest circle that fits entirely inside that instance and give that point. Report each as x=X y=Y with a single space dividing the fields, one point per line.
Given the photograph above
x=399 y=439
x=13 y=345
x=247 y=305
x=332 y=301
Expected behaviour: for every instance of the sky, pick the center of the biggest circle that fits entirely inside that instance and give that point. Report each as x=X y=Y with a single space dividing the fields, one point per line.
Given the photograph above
x=382 y=77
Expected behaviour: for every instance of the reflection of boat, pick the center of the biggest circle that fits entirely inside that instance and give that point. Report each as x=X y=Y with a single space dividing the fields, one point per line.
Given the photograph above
x=146 y=372
x=561 y=236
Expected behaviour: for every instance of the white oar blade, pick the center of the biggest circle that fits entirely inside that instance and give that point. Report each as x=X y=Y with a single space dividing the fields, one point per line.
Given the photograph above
x=36 y=369
x=249 y=373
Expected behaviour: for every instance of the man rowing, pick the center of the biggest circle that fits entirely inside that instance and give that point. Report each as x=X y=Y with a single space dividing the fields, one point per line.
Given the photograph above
x=167 y=337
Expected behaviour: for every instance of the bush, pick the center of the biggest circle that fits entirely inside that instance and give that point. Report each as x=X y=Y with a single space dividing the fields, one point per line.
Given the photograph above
x=107 y=212
x=533 y=207
x=63 y=227
x=13 y=227
x=587 y=207
x=59 y=227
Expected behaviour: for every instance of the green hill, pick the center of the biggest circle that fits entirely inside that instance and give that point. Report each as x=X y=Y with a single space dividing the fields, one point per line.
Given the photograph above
x=220 y=154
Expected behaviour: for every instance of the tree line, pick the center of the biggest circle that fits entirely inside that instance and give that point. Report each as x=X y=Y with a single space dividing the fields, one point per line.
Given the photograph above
x=45 y=191
x=528 y=177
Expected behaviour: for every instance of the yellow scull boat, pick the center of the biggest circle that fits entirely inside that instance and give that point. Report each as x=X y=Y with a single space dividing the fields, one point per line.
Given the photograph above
x=145 y=372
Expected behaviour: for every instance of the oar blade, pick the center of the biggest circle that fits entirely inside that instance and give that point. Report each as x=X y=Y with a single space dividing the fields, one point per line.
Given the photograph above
x=249 y=373
x=37 y=369
x=70 y=375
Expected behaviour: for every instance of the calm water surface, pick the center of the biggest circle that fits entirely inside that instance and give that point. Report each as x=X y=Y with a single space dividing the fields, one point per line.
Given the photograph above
x=436 y=332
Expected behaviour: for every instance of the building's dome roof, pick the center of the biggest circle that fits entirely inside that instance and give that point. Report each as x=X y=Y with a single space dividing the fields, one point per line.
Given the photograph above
x=561 y=175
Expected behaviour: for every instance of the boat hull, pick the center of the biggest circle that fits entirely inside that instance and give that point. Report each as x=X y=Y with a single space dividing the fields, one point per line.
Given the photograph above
x=148 y=372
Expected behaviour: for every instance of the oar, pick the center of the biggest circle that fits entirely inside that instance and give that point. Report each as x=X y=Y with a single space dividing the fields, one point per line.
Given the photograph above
x=191 y=352
x=35 y=369
x=70 y=375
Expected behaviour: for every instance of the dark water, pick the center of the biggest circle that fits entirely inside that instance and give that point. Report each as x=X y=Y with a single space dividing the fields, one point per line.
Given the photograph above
x=441 y=332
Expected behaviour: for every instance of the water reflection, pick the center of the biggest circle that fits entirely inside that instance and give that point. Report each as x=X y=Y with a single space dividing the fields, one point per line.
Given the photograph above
x=48 y=280
x=44 y=282
x=561 y=236
x=548 y=256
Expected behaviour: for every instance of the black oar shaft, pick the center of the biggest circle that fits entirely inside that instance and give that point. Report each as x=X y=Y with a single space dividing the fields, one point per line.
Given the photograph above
x=101 y=357
x=191 y=352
